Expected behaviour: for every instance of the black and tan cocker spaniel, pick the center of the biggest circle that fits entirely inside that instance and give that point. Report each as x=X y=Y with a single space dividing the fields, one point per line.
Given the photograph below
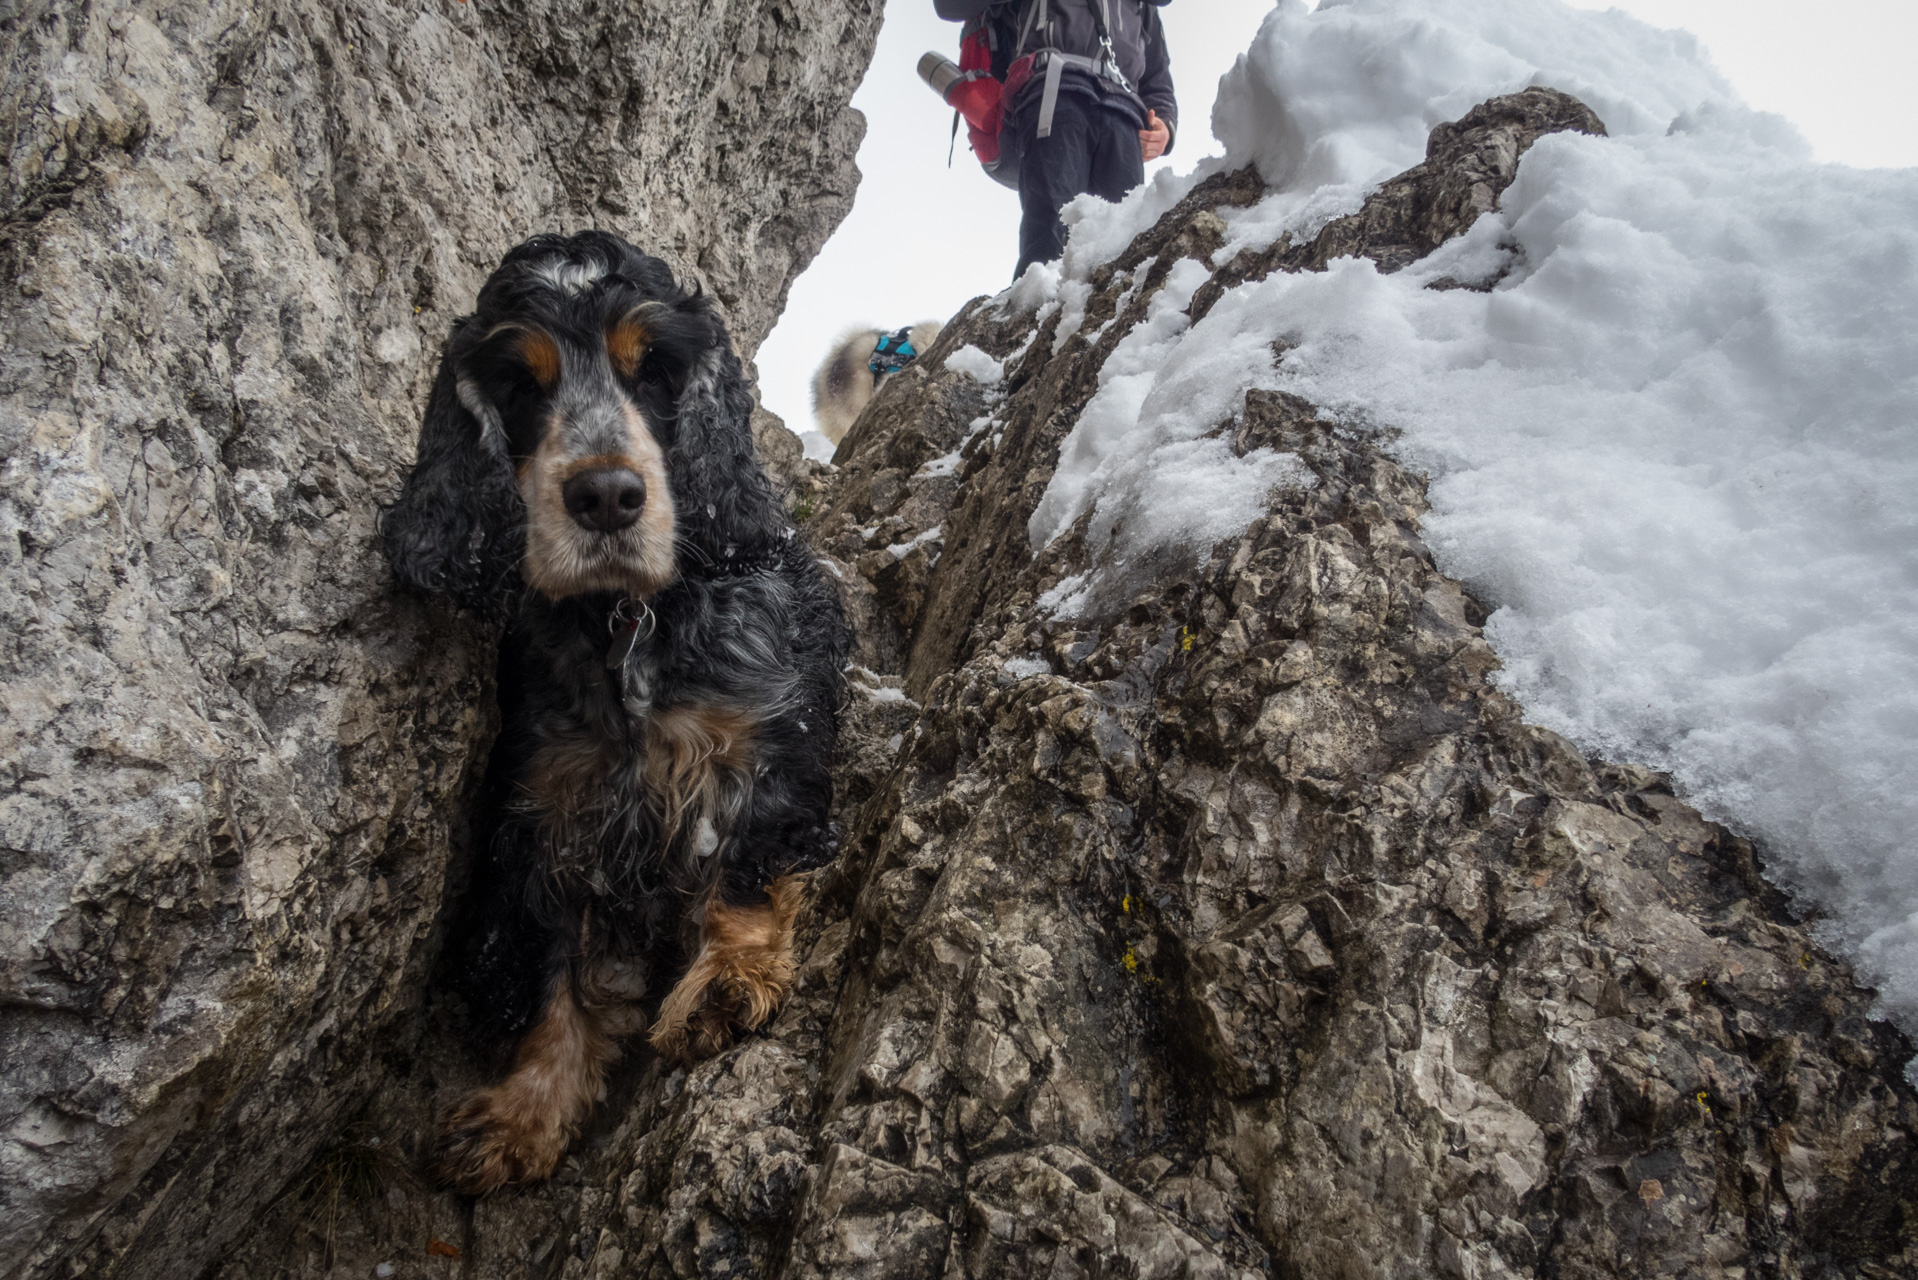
x=670 y=679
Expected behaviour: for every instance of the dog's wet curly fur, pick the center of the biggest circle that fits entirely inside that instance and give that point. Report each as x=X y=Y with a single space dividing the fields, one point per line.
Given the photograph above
x=670 y=677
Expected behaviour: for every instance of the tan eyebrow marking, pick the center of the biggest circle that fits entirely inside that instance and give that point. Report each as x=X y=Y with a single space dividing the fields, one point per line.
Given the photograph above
x=541 y=355
x=626 y=344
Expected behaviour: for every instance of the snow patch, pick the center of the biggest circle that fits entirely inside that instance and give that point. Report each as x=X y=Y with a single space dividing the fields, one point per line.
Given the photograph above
x=945 y=464
x=900 y=550
x=1145 y=457
x=1347 y=93
x=817 y=446
x=1300 y=214
x=1031 y=291
x=1675 y=445
x=976 y=364
x=1099 y=231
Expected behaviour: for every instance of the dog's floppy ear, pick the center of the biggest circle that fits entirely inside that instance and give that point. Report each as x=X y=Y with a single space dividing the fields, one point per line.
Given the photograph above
x=459 y=524
x=722 y=501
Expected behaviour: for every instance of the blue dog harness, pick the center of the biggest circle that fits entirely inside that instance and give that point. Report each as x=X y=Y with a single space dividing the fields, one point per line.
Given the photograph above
x=893 y=353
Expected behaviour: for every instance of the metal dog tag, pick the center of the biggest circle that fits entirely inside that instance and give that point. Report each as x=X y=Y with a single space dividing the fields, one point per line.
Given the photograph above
x=624 y=642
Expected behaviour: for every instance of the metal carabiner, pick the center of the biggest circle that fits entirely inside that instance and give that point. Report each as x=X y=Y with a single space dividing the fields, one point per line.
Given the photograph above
x=1112 y=63
x=628 y=614
x=632 y=612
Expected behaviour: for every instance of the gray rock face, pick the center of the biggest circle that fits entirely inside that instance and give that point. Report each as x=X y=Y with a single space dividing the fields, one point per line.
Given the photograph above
x=1249 y=930
x=1245 y=931
x=234 y=762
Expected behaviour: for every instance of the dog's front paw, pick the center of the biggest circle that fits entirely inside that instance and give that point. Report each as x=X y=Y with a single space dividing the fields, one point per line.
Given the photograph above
x=718 y=1012
x=487 y=1143
x=686 y=1037
x=712 y=1031
x=741 y=976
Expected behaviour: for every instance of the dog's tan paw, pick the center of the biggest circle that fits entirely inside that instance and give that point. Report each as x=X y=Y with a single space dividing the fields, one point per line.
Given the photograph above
x=689 y=1037
x=725 y=1011
x=486 y=1144
x=712 y=1031
x=742 y=974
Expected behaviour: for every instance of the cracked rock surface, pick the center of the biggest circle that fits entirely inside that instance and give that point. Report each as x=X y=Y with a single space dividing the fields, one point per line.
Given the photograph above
x=1249 y=929
x=233 y=763
x=1246 y=930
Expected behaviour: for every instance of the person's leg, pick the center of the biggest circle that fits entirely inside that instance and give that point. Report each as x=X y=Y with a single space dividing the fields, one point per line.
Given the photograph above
x=1052 y=171
x=1117 y=163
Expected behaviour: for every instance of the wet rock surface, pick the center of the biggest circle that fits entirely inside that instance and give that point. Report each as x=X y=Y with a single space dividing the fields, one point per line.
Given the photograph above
x=1244 y=930
x=235 y=762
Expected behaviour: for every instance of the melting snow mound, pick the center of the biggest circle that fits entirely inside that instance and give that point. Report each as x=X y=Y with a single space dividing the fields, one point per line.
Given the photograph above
x=1675 y=445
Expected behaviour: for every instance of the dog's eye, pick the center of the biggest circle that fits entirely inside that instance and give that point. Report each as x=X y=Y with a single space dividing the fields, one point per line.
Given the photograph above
x=626 y=346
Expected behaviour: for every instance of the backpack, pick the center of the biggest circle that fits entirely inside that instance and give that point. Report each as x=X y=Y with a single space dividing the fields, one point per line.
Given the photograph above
x=988 y=76
x=975 y=88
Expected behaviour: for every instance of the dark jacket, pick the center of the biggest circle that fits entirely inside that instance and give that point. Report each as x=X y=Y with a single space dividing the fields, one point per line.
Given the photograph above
x=1138 y=41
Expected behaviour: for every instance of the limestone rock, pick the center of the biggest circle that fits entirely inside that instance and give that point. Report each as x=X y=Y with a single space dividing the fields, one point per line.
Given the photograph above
x=1255 y=902
x=1257 y=899
x=236 y=762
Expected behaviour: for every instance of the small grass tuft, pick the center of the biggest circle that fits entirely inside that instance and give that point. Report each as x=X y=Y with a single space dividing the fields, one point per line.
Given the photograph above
x=355 y=1169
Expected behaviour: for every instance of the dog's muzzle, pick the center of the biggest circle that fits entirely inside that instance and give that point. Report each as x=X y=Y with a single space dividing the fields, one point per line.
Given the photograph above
x=605 y=499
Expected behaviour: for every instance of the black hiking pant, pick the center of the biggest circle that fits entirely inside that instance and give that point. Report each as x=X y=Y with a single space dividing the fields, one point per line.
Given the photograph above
x=1093 y=148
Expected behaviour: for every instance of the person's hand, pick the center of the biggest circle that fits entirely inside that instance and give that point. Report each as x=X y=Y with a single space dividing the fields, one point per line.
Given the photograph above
x=1155 y=137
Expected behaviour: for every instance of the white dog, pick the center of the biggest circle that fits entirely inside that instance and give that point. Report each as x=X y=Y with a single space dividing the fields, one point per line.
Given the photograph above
x=857 y=366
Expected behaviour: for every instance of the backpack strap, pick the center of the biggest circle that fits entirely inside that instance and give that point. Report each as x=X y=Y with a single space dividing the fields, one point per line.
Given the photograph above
x=1049 y=100
x=1103 y=67
x=1038 y=14
x=1056 y=64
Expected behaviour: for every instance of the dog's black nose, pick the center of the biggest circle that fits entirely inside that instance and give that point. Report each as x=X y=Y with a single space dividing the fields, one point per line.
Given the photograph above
x=605 y=499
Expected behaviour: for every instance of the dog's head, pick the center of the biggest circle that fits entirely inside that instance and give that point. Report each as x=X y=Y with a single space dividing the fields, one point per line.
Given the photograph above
x=588 y=431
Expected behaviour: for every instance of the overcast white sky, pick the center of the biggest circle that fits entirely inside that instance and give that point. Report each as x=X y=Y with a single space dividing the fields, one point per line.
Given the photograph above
x=923 y=238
